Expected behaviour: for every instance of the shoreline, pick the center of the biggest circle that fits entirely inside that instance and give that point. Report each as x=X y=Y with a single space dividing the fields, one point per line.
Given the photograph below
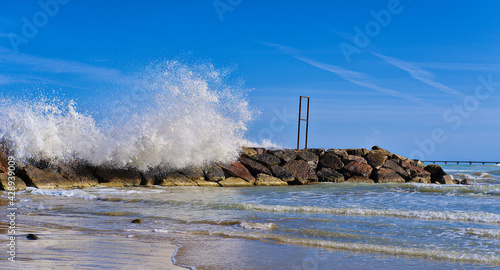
x=68 y=249
x=254 y=167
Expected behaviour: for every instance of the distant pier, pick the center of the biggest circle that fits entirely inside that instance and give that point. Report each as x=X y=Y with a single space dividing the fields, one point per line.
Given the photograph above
x=461 y=161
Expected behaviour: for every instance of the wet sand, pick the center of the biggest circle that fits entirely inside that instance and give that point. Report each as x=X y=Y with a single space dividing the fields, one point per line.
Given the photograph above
x=66 y=249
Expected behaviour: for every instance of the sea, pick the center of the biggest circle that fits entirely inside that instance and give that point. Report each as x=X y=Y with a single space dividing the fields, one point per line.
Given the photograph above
x=323 y=226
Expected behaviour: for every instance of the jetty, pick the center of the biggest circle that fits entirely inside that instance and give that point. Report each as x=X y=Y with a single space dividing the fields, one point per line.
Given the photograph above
x=460 y=161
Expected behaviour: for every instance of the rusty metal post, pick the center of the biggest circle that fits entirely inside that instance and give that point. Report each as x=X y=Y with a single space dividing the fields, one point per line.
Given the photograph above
x=300 y=119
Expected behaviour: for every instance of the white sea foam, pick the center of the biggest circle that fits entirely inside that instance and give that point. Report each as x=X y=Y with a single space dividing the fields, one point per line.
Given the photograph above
x=174 y=116
x=257 y=225
x=63 y=193
x=417 y=214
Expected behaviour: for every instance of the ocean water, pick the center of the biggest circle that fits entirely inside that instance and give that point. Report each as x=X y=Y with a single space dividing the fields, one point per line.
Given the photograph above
x=324 y=226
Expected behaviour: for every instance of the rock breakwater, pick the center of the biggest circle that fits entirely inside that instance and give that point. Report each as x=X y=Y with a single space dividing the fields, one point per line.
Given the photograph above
x=254 y=167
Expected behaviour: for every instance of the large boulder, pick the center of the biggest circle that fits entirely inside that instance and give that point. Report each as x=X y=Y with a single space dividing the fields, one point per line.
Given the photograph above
x=193 y=173
x=176 y=179
x=117 y=177
x=350 y=158
x=267 y=180
x=285 y=155
x=248 y=151
x=236 y=169
x=332 y=161
x=308 y=156
x=357 y=151
x=393 y=165
x=376 y=159
x=339 y=152
x=380 y=150
x=214 y=173
x=47 y=178
x=438 y=175
x=384 y=175
x=317 y=151
x=357 y=168
x=302 y=172
x=253 y=166
x=359 y=179
x=11 y=183
x=267 y=159
x=235 y=182
x=330 y=175
x=80 y=175
x=282 y=174
x=417 y=174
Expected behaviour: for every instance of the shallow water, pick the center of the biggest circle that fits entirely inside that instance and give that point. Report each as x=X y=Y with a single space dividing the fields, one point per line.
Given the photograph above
x=343 y=226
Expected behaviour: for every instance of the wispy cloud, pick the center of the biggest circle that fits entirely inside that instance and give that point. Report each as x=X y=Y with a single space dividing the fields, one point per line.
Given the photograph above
x=418 y=73
x=354 y=77
x=461 y=66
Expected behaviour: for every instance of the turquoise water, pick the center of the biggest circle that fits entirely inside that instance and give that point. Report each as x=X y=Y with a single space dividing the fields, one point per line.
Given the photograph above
x=325 y=226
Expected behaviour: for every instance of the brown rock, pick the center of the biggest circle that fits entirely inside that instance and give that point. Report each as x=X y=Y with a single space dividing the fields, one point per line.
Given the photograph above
x=437 y=174
x=416 y=163
x=267 y=159
x=357 y=152
x=350 y=158
x=81 y=176
x=193 y=173
x=47 y=178
x=357 y=168
x=237 y=169
x=376 y=159
x=445 y=180
x=393 y=165
x=309 y=157
x=235 y=182
x=301 y=171
x=330 y=175
x=282 y=174
x=176 y=179
x=285 y=155
x=466 y=181
x=417 y=174
x=359 y=179
x=332 y=161
x=117 y=177
x=267 y=180
x=203 y=183
x=248 y=151
x=253 y=166
x=13 y=184
x=385 y=175
x=377 y=149
x=214 y=173
x=317 y=151
x=339 y=152
x=149 y=178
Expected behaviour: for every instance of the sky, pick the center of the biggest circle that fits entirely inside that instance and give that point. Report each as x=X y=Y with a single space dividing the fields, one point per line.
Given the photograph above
x=418 y=78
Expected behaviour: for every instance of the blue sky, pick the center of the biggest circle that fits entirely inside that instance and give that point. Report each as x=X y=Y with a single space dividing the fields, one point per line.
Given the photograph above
x=419 y=78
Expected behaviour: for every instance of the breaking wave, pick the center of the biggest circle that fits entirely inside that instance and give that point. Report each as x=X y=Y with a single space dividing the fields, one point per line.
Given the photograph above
x=173 y=115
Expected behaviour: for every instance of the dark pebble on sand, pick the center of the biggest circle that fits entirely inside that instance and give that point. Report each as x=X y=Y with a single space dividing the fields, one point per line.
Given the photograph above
x=137 y=220
x=32 y=237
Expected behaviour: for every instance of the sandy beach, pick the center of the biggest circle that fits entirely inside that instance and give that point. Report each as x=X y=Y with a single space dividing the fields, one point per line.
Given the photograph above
x=66 y=249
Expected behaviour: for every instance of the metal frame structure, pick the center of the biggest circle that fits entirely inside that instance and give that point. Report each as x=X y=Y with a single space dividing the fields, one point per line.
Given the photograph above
x=300 y=119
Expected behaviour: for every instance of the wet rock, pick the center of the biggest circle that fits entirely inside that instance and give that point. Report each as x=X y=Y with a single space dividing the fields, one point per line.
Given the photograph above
x=176 y=179
x=359 y=179
x=13 y=184
x=268 y=180
x=437 y=174
x=137 y=220
x=214 y=173
x=32 y=237
x=149 y=178
x=193 y=173
x=282 y=174
x=117 y=177
x=204 y=183
x=248 y=151
x=237 y=169
x=393 y=165
x=376 y=159
x=302 y=172
x=317 y=151
x=357 y=151
x=466 y=181
x=285 y=155
x=357 y=168
x=385 y=175
x=350 y=158
x=339 y=152
x=80 y=175
x=309 y=157
x=417 y=163
x=330 y=175
x=417 y=174
x=444 y=179
x=253 y=166
x=235 y=182
x=332 y=161
x=267 y=159
x=47 y=178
